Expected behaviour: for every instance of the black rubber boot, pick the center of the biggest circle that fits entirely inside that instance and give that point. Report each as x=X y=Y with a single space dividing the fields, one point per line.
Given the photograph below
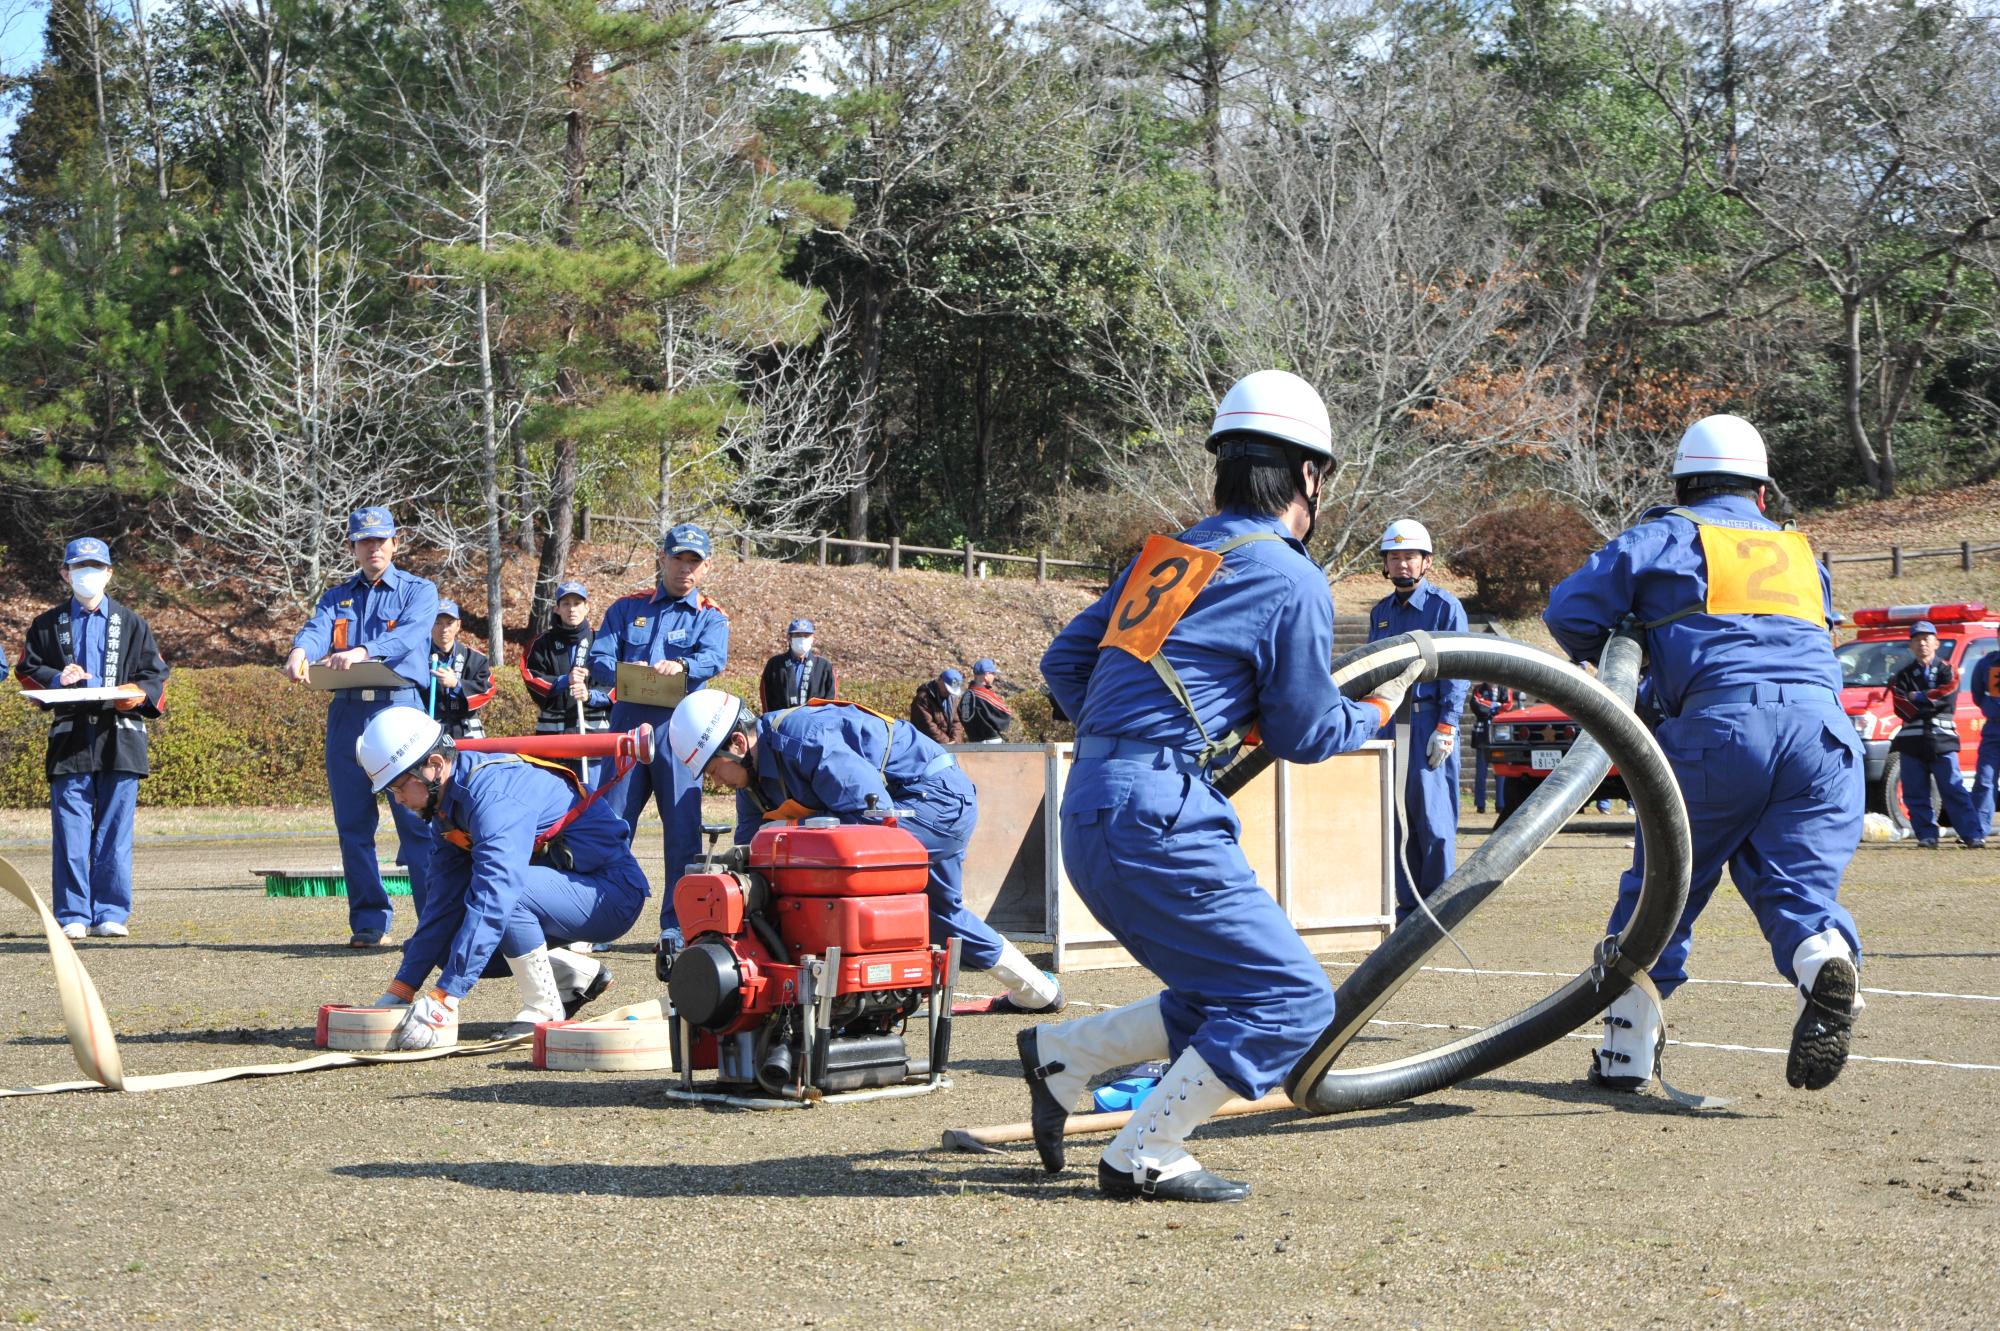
x=1045 y=1112
x=602 y=981
x=1006 y=1004
x=1820 y=1036
x=1195 y=1186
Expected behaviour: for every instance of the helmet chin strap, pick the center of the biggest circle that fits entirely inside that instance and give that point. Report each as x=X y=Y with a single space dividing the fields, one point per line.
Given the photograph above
x=1404 y=583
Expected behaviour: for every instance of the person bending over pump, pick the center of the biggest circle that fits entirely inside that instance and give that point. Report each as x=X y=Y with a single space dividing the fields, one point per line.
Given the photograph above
x=846 y=760
x=1206 y=638
x=1742 y=671
x=523 y=855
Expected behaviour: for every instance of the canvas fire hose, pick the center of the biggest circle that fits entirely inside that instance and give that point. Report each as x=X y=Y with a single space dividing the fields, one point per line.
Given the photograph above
x=95 y=1047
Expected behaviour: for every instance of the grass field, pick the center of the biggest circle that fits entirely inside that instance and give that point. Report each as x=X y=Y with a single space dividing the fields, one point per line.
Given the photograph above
x=477 y=1191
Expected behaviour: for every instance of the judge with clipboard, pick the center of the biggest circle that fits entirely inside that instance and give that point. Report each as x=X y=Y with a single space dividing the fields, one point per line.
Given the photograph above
x=655 y=647
x=93 y=665
x=368 y=642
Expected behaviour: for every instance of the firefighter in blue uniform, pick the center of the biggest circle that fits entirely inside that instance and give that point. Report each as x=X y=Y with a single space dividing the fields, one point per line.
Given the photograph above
x=524 y=857
x=380 y=614
x=97 y=751
x=1985 y=689
x=1224 y=630
x=1925 y=696
x=677 y=630
x=1430 y=791
x=1742 y=671
x=854 y=763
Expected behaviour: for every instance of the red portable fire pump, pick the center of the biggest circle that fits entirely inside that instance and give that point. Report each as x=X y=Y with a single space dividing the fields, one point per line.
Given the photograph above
x=802 y=969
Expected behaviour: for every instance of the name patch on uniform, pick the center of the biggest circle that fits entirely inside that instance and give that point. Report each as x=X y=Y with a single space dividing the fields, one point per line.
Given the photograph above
x=1762 y=573
x=347 y=604
x=1163 y=584
x=677 y=635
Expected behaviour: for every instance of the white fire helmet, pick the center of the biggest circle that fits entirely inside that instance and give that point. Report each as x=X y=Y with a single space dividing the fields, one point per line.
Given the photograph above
x=397 y=739
x=1723 y=446
x=1278 y=404
x=1407 y=534
x=700 y=725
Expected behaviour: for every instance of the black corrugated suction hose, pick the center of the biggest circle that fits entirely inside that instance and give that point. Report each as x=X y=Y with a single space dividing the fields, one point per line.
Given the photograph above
x=1601 y=707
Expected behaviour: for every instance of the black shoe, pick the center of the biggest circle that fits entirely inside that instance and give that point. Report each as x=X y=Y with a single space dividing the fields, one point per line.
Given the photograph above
x=1975 y=843
x=1819 y=1037
x=1045 y=1112
x=1926 y=843
x=597 y=985
x=1195 y=1186
x=1006 y=1004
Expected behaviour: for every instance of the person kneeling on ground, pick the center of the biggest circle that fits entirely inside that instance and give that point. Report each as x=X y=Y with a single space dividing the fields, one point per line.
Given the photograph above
x=843 y=759
x=523 y=855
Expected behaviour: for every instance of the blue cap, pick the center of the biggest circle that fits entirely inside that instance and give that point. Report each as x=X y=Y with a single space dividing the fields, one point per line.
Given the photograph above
x=986 y=665
x=799 y=626
x=448 y=608
x=686 y=538
x=1921 y=627
x=86 y=550
x=951 y=676
x=369 y=524
x=572 y=588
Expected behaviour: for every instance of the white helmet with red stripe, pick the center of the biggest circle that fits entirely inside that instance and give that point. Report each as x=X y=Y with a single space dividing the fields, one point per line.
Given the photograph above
x=395 y=740
x=700 y=725
x=1278 y=404
x=1407 y=534
x=1723 y=446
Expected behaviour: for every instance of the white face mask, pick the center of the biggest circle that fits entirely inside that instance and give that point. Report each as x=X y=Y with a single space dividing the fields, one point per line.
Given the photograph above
x=801 y=646
x=89 y=583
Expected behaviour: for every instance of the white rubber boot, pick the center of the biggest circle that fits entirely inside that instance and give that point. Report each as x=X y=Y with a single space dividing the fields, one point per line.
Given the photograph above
x=1829 y=996
x=578 y=978
x=1147 y=1161
x=1060 y=1058
x=540 y=999
x=1029 y=987
x=1628 y=1056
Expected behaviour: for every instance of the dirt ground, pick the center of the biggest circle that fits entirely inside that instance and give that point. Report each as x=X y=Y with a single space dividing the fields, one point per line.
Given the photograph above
x=476 y=1191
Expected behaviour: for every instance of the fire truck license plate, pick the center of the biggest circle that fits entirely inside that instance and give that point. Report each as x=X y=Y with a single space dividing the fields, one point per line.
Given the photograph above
x=1545 y=760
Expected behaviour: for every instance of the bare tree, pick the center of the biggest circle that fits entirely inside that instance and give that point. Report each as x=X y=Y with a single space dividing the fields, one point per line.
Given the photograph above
x=1871 y=153
x=313 y=399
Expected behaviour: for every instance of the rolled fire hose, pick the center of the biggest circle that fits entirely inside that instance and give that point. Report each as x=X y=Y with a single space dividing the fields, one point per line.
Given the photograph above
x=1610 y=734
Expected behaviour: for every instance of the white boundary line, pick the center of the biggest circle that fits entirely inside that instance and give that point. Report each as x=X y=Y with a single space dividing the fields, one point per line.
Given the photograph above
x=1727 y=1048
x=1745 y=984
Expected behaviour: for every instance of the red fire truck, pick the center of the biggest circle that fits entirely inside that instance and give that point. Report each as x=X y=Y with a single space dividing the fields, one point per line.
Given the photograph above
x=1529 y=741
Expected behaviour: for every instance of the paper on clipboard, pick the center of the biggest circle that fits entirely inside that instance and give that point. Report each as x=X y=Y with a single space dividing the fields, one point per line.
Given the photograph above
x=360 y=675
x=103 y=693
x=647 y=687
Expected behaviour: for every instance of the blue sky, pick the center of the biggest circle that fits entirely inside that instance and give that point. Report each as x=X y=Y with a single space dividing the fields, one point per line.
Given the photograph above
x=21 y=23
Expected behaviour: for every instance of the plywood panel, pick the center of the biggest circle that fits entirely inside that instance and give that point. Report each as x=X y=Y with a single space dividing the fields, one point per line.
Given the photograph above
x=1336 y=827
x=1257 y=809
x=1006 y=864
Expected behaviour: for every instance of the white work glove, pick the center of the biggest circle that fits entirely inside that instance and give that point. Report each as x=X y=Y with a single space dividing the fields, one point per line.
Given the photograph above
x=431 y=1023
x=390 y=998
x=1442 y=740
x=1390 y=696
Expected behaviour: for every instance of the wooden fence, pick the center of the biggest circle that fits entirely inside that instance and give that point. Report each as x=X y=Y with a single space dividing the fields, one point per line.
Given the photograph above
x=1895 y=556
x=820 y=545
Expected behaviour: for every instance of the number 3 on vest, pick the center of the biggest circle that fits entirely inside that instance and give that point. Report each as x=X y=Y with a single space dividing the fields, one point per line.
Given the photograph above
x=1164 y=581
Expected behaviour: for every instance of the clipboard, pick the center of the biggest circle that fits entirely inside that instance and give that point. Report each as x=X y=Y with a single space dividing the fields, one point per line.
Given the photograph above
x=360 y=675
x=641 y=684
x=99 y=693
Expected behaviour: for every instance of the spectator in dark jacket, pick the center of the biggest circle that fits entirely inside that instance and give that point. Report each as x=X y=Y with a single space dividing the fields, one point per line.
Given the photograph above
x=1925 y=694
x=97 y=750
x=462 y=678
x=1488 y=701
x=797 y=675
x=554 y=669
x=986 y=714
x=934 y=709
